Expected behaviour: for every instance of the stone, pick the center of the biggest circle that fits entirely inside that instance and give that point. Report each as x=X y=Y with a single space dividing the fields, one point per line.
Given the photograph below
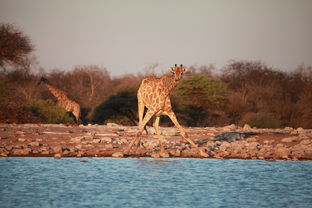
x=4 y=154
x=282 y=152
x=57 y=149
x=231 y=127
x=106 y=139
x=34 y=144
x=57 y=156
x=118 y=155
x=300 y=130
x=164 y=155
x=279 y=145
x=151 y=130
x=289 y=139
x=21 y=151
x=150 y=143
x=96 y=141
x=155 y=155
x=19 y=132
x=251 y=139
x=21 y=139
x=288 y=128
x=306 y=141
x=170 y=132
x=246 y=127
x=175 y=153
x=76 y=139
x=8 y=147
x=112 y=125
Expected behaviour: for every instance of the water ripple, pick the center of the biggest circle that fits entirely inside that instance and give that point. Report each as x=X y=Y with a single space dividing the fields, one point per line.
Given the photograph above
x=110 y=182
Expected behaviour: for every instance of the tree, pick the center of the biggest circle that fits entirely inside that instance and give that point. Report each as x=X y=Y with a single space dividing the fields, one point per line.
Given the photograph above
x=198 y=100
x=14 y=46
x=120 y=108
x=201 y=91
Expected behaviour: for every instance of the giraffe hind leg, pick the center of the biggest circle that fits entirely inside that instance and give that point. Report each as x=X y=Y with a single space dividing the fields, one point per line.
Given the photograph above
x=183 y=133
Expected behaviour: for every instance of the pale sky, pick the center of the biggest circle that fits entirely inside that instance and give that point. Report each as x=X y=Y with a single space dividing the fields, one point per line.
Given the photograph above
x=126 y=36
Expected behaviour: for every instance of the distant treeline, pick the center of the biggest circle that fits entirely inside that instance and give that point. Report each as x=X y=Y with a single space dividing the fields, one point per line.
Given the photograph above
x=242 y=92
x=245 y=92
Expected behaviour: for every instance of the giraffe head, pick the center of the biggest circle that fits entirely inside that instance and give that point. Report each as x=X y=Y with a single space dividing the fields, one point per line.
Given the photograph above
x=42 y=80
x=178 y=71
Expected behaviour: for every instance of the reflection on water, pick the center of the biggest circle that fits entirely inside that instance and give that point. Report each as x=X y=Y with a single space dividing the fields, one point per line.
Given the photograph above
x=146 y=182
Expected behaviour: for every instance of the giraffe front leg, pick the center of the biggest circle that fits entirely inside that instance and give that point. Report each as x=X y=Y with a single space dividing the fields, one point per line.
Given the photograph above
x=160 y=138
x=147 y=117
x=183 y=133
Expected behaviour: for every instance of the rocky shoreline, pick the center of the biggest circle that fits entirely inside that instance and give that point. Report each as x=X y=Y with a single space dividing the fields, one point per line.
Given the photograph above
x=111 y=140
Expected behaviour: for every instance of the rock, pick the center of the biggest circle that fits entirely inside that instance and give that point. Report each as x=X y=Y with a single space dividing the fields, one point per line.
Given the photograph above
x=106 y=139
x=282 y=152
x=96 y=141
x=57 y=149
x=252 y=139
x=57 y=156
x=21 y=139
x=19 y=133
x=150 y=143
x=34 y=144
x=306 y=142
x=289 y=139
x=155 y=155
x=279 y=145
x=246 y=127
x=231 y=127
x=8 y=147
x=300 y=130
x=112 y=125
x=164 y=155
x=118 y=155
x=76 y=139
x=4 y=154
x=170 y=132
x=175 y=153
x=21 y=151
x=288 y=128
x=151 y=130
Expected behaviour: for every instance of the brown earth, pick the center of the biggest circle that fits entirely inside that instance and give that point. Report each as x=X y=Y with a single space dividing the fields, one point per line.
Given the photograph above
x=58 y=140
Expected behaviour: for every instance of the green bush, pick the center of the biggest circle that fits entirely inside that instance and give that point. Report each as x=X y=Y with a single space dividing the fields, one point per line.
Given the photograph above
x=261 y=120
x=50 y=112
x=201 y=91
x=120 y=108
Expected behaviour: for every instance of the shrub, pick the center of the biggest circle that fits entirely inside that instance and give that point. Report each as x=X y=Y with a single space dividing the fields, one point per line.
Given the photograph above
x=49 y=112
x=260 y=120
x=120 y=108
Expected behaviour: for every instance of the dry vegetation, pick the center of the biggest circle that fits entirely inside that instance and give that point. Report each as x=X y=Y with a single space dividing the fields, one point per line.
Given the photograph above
x=245 y=92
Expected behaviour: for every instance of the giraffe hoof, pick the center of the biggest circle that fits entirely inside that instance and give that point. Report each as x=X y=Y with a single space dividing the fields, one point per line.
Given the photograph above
x=164 y=154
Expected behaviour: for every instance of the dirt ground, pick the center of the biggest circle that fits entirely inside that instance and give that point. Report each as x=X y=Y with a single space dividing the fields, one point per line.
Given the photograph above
x=111 y=140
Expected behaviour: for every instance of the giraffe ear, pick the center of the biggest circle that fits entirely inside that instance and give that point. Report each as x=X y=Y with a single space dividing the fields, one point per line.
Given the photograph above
x=171 y=69
x=184 y=69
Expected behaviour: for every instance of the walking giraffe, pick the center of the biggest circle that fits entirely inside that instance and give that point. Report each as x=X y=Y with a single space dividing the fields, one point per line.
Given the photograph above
x=63 y=100
x=154 y=95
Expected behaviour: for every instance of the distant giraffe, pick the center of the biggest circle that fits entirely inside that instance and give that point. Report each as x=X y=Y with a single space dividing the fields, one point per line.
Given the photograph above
x=62 y=100
x=154 y=95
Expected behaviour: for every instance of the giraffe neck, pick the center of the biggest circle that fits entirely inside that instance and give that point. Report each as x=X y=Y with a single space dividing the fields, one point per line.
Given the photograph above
x=169 y=82
x=58 y=94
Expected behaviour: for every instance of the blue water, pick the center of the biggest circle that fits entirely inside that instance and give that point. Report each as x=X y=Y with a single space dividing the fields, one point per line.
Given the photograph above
x=109 y=182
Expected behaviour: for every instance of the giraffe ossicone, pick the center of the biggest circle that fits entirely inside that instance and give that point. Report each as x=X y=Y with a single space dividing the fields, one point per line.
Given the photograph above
x=153 y=94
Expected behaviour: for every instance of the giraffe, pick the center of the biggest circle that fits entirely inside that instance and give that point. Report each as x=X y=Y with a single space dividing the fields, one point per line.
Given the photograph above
x=154 y=94
x=62 y=100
